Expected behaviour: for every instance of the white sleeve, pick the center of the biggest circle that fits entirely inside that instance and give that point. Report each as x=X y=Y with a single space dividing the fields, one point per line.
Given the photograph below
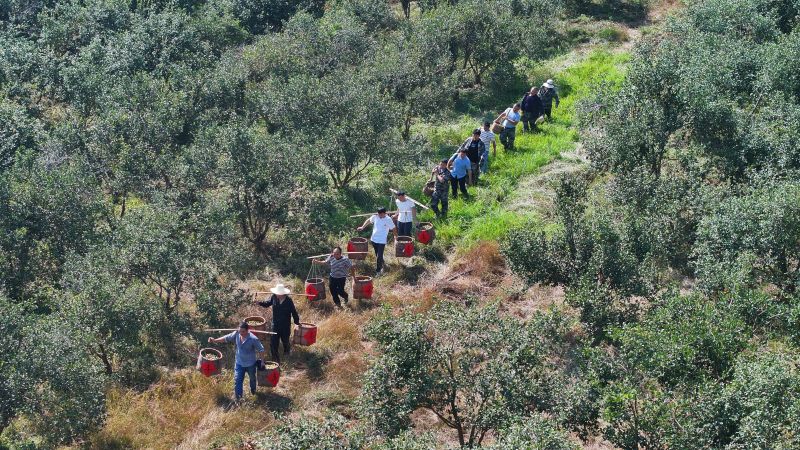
x=372 y=219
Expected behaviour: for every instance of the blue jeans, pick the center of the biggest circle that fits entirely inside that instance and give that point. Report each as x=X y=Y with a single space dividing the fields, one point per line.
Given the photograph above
x=485 y=163
x=238 y=380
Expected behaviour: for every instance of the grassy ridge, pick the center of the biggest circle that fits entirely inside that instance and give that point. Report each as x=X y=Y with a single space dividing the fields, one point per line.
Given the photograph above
x=485 y=216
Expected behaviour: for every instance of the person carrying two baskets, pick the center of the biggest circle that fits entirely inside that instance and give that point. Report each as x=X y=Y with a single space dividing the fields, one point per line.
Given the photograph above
x=247 y=345
x=283 y=311
x=340 y=266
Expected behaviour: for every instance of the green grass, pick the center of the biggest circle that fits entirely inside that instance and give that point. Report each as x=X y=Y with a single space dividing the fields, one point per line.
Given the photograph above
x=484 y=216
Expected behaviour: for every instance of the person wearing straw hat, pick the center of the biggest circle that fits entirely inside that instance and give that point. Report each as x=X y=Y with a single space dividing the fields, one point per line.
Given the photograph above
x=283 y=311
x=340 y=266
x=547 y=94
x=247 y=345
x=381 y=225
x=406 y=214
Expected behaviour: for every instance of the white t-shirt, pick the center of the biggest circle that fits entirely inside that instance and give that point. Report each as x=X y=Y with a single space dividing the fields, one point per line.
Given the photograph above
x=404 y=210
x=381 y=228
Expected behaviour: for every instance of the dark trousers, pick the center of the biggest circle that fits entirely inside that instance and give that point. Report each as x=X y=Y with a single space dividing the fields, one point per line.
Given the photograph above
x=547 y=111
x=379 y=255
x=456 y=183
x=404 y=228
x=507 y=137
x=337 y=289
x=282 y=335
x=529 y=121
x=435 y=199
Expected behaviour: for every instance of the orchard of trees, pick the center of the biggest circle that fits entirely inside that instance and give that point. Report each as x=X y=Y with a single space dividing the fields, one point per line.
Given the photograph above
x=154 y=152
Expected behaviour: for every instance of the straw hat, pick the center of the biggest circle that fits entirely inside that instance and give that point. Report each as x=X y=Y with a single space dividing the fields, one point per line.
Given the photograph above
x=549 y=84
x=280 y=289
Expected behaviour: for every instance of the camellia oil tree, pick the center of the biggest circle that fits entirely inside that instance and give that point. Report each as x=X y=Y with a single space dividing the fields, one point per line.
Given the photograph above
x=472 y=369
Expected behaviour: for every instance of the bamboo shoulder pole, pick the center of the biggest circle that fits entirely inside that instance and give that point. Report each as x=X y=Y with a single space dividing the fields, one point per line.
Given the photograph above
x=214 y=330
x=372 y=214
x=329 y=254
x=393 y=191
x=294 y=293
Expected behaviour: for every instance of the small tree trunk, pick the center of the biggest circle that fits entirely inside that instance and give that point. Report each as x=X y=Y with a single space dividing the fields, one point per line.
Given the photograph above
x=104 y=358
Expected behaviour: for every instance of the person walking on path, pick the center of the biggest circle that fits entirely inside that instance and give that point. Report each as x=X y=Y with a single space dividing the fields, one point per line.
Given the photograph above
x=487 y=136
x=381 y=225
x=340 y=266
x=283 y=312
x=512 y=117
x=475 y=148
x=247 y=345
x=441 y=187
x=461 y=171
x=547 y=94
x=406 y=214
x=531 y=110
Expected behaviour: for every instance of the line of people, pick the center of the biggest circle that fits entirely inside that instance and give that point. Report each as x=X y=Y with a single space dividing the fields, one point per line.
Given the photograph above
x=455 y=173
x=471 y=159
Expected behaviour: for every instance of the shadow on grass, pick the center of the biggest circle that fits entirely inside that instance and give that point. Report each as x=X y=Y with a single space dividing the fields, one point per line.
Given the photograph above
x=274 y=401
x=310 y=361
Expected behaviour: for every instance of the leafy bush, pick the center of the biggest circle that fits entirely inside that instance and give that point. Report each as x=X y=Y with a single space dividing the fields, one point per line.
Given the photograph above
x=473 y=371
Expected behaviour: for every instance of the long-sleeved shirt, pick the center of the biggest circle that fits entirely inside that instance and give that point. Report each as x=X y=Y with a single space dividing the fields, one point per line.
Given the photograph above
x=532 y=105
x=245 y=349
x=547 y=95
x=282 y=312
x=441 y=187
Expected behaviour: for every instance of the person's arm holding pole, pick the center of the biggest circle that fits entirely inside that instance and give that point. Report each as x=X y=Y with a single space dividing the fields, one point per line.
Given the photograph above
x=364 y=225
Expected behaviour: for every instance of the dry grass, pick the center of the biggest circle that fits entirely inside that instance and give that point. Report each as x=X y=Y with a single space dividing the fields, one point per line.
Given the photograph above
x=184 y=410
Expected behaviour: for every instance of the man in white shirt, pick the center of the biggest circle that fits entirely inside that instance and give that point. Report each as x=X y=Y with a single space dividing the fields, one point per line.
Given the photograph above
x=512 y=116
x=381 y=225
x=487 y=136
x=406 y=214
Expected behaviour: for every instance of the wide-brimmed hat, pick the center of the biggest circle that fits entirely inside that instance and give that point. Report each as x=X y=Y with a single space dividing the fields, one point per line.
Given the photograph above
x=280 y=289
x=549 y=84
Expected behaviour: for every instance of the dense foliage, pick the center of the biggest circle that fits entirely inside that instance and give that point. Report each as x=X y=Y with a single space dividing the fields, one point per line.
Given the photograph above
x=678 y=246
